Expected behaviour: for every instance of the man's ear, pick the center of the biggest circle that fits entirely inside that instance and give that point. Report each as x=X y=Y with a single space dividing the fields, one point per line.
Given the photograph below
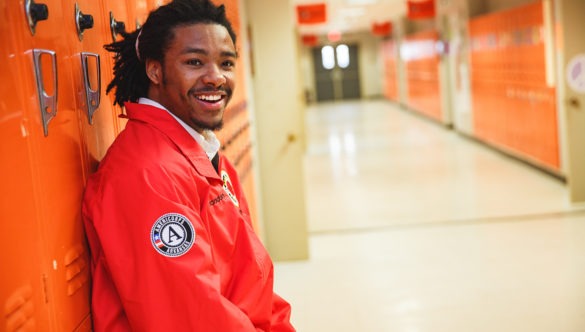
x=154 y=71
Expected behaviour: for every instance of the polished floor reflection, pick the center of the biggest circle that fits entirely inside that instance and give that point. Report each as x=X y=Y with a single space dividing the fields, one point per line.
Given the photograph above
x=415 y=228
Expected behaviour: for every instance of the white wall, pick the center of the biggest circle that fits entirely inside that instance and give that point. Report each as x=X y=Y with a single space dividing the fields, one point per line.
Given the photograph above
x=571 y=104
x=279 y=119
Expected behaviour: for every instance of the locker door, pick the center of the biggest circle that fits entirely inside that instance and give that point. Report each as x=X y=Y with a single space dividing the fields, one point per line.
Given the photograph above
x=58 y=169
x=22 y=280
x=138 y=12
x=115 y=16
x=154 y=4
x=98 y=116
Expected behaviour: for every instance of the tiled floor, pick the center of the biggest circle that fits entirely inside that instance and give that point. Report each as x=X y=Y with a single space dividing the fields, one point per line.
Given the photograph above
x=417 y=229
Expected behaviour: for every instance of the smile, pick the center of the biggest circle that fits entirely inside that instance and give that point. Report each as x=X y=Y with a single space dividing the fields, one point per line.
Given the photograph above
x=210 y=98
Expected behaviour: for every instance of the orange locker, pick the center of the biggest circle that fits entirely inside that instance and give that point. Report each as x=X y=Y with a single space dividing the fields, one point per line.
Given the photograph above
x=23 y=280
x=56 y=124
x=114 y=14
x=512 y=105
x=422 y=71
x=235 y=136
x=58 y=169
x=390 y=78
x=91 y=68
x=52 y=173
x=137 y=13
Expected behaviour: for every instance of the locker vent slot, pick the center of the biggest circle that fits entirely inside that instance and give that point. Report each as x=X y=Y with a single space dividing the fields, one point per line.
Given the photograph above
x=19 y=310
x=76 y=271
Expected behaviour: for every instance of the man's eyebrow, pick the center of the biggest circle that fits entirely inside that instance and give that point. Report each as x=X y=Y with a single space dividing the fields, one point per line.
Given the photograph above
x=194 y=50
x=204 y=52
x=230 y=54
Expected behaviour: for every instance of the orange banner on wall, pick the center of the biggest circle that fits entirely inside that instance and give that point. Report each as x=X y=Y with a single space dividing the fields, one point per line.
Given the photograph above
x=382 y=29
x=310 y=40
x=421 y=9
x=312 y=14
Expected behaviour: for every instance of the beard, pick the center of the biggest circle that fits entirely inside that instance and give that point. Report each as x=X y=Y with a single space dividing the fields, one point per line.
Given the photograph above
x=208 y=126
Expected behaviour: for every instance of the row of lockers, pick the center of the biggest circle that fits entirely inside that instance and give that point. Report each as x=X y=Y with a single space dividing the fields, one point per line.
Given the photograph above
x=422 y=74
x=56 y=123
x=390 y=75
x=513 y=107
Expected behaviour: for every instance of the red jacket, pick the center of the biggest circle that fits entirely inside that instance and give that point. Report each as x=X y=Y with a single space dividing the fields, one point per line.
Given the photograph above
x=172 y=245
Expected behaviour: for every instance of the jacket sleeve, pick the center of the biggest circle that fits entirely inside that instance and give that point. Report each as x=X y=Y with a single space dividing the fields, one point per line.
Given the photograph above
x=280 y=315
x=158 y=293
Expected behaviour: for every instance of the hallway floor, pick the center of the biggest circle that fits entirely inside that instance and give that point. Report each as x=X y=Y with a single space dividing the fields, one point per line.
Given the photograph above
x=414 y=228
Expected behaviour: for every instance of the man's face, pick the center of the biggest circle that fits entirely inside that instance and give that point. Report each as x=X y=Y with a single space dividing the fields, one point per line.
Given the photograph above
x=196 y=80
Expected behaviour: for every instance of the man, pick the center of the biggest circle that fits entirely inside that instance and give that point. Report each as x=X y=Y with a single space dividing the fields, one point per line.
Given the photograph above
x=172 y=244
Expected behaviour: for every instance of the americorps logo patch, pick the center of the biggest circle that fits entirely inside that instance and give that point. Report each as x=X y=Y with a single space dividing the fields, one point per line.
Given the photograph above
x=172 y=235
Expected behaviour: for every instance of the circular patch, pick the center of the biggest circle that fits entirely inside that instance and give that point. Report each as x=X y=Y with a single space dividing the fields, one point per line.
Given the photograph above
x=172 y=235
x=229 y=188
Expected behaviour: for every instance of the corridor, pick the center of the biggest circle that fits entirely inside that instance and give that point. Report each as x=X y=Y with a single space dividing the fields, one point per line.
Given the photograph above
x=415 y=228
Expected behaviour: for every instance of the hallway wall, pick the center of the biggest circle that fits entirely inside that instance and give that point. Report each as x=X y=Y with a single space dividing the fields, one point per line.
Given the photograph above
x=279 y=120
x=526 y=117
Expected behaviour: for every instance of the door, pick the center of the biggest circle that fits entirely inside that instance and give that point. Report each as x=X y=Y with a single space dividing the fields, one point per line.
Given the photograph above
x=98 y=116
x=22 y=281
x=58 y=164
x=336 y=72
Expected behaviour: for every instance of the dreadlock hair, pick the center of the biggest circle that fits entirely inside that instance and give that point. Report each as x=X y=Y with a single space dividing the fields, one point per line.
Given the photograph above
x=130 y=79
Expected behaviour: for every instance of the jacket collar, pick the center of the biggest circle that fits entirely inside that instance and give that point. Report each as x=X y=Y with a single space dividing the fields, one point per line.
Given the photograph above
x=165 y=123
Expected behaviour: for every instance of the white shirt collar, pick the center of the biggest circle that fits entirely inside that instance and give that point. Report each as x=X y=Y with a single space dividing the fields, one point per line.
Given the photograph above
x=208 y=141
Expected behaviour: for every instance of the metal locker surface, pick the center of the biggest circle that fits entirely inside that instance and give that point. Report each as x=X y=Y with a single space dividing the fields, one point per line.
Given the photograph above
x=154 y=4
x=115 y=15
x=58 y=170
x=98 y=117
x=22 y=280
x=138 y=12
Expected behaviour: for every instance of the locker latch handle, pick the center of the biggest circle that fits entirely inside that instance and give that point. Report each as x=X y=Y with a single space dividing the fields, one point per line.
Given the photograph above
x=82 y=21
x=35 y=12
x=92 y=97
x=116 y=27
x=46 y=101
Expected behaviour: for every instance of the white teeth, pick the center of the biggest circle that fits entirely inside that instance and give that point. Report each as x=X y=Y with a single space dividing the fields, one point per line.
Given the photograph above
x=209 y=97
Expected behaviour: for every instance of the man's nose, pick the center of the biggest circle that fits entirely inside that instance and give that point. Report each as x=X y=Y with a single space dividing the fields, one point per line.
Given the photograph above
x=214 y=76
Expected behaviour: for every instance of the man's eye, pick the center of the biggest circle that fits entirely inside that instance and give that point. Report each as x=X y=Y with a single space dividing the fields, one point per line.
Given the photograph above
x=229 y=64
x=194 y=62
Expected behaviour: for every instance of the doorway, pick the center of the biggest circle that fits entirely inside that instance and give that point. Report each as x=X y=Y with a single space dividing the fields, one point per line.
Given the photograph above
x=336 y=70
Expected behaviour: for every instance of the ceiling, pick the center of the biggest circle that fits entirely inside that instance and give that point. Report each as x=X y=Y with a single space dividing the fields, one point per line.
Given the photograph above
x=353 y=15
